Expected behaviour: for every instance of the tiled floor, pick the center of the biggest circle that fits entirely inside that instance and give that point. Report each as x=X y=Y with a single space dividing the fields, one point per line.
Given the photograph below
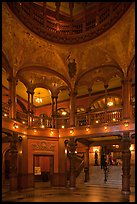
x=84 y=193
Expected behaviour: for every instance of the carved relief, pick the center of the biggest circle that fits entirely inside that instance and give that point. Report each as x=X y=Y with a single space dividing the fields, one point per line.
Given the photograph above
x=45 y=146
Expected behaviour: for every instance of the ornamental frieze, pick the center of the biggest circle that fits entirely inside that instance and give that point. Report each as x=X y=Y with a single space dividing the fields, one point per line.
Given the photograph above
x=45 y=146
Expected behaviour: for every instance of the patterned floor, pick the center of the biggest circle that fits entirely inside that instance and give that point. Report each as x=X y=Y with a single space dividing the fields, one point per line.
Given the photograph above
x=87 y=193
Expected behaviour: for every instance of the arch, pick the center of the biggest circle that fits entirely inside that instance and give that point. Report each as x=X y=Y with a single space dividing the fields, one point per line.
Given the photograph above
x=6 y=65
x=131 y=68
x=42 y=68
x=120 y=72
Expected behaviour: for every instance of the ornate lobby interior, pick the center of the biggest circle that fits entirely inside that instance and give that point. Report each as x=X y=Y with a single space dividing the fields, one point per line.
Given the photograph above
x=68 y=97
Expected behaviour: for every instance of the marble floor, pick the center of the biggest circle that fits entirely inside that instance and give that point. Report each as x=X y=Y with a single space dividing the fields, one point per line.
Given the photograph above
x=82 y=193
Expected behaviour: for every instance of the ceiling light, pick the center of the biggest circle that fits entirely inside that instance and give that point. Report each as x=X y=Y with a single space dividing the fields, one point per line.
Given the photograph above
x=38 y=99
x=110 y=102
x=64 y=113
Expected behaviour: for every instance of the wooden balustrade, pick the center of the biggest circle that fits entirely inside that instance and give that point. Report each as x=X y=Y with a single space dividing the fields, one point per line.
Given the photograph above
x=66 y=31
x=83 y=119
x=5 y=109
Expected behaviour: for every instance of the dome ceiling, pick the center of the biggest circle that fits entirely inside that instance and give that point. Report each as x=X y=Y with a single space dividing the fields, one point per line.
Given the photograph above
x=69 y=22
x=30 y=57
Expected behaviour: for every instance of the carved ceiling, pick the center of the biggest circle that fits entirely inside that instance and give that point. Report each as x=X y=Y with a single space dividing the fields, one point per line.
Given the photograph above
x=34 y=60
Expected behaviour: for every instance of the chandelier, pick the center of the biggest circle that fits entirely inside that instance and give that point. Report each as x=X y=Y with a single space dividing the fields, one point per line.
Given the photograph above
x=38 y=99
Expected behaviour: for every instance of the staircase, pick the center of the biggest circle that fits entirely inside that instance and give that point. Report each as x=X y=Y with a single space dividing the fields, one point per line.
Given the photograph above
x=96 y=175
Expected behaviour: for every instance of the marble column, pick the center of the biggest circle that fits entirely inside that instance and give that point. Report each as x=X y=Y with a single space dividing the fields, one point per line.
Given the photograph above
x=53 y=112
x=72 y=148
x=30 y=107
x=86 y=164
x=72 y=108
x=126 y=155
x=12 y=98
x=13 y=162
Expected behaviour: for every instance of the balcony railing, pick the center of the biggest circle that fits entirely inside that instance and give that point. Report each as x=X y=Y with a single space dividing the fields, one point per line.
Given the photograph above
x=91 y=118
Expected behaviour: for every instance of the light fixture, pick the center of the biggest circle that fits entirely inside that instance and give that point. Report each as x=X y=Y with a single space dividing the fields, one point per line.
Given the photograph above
x=126 y=124
x=51 y=132
x=5 y=114
x=132 y=147
x=97 y=121
x=87 y=129
x=38 y=99
x=114 y=119
x=42 y=126
x=15 y=126
x=105 y=126
x=62 y=126
x=110 y=102
x=64 y=113
x=71 y=131
x=23 y=122
x=35 y=130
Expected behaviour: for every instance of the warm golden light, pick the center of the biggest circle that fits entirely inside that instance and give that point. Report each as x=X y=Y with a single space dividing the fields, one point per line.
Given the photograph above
x=35 y=130
x=110 y=103
x=132 y=147
x=95 y=149
x=97 y=121
x=105 y=127
x=51 y=132
x=5 y=114
x=62 y=126
x=71 y=131
x=87 y=129
x=126 y=124
x=38 y=99
x=43 y=126
x=114 y=119
x=64 y=113
x=23 y=122
x=15 y=126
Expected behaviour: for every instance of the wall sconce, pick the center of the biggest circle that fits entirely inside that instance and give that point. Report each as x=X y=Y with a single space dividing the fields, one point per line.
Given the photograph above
x=71 y=131
x=126 y=124
x=106 y=127
x=5 y=114
x=35 y=130
x=87 y=129
x=42 y=126
x=15 y=126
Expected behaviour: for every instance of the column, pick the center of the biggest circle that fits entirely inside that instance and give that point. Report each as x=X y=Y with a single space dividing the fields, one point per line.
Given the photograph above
x=30 y=107
x=126 y=155
x=12 y=98
x=71 y=144
x=13 y=162
x=126 y=96
x=53 y=111
x=72 y=108
x=86 y=164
